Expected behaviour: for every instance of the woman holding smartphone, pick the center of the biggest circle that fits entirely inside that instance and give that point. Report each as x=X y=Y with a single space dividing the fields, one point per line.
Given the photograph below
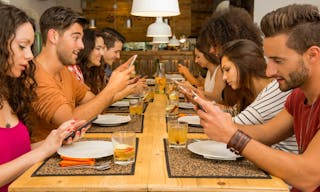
x=92 y=68
x=16 y=93
x=258 y=98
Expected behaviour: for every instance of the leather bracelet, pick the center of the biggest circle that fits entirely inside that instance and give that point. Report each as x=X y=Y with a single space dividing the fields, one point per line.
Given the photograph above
x=238 y=142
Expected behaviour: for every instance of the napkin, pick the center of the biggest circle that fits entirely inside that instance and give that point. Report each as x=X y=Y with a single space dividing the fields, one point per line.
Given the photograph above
x=70 y=161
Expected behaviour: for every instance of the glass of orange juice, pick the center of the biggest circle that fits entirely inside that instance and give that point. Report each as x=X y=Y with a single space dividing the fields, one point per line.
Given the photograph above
x=135 y=107
x=124 y=143
x=177 y=133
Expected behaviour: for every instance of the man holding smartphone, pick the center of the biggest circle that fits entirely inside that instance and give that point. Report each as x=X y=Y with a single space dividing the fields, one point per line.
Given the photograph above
x=60 y=96
x=292 y=48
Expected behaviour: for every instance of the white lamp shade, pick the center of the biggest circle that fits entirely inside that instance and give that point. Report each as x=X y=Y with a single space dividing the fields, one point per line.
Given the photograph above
x=157 y=40
x=159 y=29
x=155 y=8
x=174 y=41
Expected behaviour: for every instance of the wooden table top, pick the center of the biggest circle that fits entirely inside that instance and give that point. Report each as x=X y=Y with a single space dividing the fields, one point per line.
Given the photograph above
x=150 y=171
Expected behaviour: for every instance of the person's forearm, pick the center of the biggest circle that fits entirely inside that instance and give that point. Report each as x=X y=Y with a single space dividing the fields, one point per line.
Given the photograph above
x=95 y=105
x=193 y=81
x=122 y=94
x=288 y=166
x=11 y=170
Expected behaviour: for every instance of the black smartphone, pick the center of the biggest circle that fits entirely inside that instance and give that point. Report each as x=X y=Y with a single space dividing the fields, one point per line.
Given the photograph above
x=73 y=133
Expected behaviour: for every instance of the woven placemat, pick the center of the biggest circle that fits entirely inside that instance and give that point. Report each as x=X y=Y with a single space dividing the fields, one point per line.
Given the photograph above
x=51 y=167
x=191 y=129
x=135 y=125
x=181 y=163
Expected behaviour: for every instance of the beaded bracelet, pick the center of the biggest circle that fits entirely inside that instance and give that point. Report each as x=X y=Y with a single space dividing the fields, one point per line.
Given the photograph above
x=238 y=142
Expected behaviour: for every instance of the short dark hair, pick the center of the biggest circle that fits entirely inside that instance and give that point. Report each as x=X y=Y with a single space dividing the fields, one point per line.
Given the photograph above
x=230 y=24
x=303 y=36
x=284 y=19
x=249 y=61
x=111 y=36
x=59 y=18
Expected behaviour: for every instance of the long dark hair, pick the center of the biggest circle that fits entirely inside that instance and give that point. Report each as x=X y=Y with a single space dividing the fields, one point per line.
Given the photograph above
x=19 y=92
x=227 y=25
x=250 y=63
x=93 y=76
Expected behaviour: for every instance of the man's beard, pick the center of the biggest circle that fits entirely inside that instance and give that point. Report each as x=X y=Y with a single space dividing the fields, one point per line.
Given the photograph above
x=64 y=59
x=296 y=78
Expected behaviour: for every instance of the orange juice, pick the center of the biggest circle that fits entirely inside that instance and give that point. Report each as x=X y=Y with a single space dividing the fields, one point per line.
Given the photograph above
x=177 y=134
x=135 y=109
x=161 y=83
x=123 y=152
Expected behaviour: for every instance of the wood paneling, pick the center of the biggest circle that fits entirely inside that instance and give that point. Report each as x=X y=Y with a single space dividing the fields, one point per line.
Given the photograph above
x=106 y=14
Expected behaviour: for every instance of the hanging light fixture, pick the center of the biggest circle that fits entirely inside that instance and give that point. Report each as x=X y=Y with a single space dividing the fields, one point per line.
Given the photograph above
x=158 y=9
x=174 y=41
x=159 y=29
x=155 y=8
x=158 y=40
x=92 y=24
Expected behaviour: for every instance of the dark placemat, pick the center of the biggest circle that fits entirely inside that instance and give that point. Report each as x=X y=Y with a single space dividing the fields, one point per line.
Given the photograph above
x=51 y=167
x=181 y=163
x=187 y=111
x=191 y=129
x=135 y=125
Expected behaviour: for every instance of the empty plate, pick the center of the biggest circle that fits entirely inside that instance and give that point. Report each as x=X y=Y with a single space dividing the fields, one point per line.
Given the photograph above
x=87 y=149
x=121 y=104
x=212 y=150
x=111 y=119
x=186 y=105
x=191 y=120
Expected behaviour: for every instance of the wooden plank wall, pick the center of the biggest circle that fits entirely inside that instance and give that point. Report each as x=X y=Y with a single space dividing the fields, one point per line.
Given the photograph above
x=193 y=14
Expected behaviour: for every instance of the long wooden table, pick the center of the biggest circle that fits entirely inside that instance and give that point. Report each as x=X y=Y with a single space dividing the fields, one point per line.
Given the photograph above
x=150 y=172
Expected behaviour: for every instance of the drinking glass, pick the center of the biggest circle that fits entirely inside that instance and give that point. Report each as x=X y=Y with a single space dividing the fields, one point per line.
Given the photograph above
x=135 y=107
x=177 y=133
x=124 y=143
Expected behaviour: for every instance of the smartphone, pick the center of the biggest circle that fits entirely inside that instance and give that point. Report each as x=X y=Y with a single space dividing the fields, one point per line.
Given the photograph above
x=73 y=133
x=133 y=60
x=198 y=105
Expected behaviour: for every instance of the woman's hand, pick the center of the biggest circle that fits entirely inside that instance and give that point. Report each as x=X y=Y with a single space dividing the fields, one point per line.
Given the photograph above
x=182 y=69
x=56 y=137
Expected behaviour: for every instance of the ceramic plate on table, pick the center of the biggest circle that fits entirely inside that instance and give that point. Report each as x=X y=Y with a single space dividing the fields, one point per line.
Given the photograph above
x=134 y=96
x=186 y=105
x=177 y=77
x=150 y=81
x=87 y=149
x=112 y=120
x=121 y=104
x=212 y=150
x=193 y=120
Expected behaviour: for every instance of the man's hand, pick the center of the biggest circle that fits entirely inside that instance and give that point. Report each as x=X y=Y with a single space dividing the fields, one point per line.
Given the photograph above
x=217 y=124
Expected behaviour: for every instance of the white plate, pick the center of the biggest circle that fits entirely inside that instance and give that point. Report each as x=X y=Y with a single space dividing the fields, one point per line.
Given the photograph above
x=212 y=150
x=191 y=120
x=177 y=77
x=134 y=96
x=186 y=105
x=87 y=149
x=121 y=104
x=150 y=81
x=111 y=119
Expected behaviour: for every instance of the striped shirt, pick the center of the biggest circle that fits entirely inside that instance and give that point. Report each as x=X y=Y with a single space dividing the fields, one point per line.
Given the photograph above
x=268 y=103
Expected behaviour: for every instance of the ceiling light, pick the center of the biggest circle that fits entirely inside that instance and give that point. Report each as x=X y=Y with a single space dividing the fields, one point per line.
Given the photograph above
x=159 y=29
x=155 y=8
